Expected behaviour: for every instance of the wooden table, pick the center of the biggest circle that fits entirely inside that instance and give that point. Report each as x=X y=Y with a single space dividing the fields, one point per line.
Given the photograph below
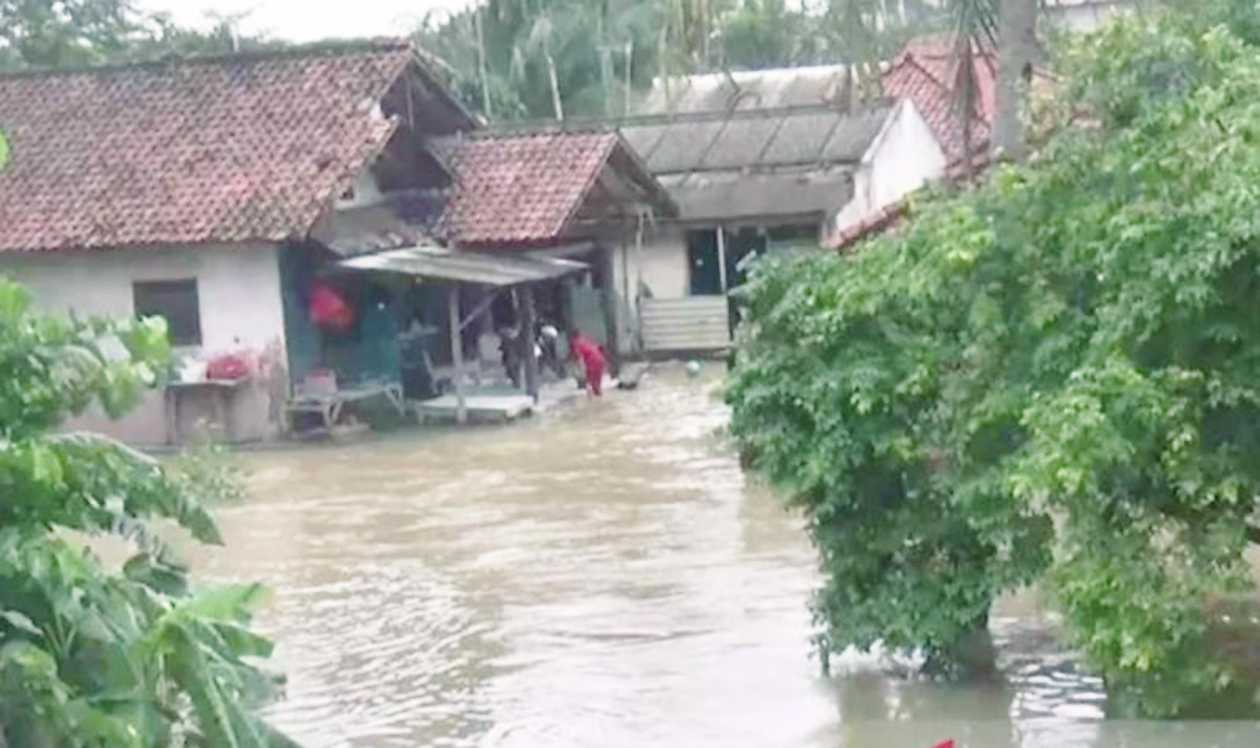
x=328 y=406
x=223 y=389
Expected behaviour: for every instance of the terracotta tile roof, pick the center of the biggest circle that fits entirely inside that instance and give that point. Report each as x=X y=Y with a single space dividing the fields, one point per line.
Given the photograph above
x=924 y=72
x=521 y=188
x=228 y=149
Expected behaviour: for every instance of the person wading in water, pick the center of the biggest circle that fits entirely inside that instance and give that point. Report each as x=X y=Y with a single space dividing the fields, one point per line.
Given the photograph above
x=592 y=358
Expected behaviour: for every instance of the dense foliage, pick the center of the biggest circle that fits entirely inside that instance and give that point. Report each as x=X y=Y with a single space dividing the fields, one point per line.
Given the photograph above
x=92 y=655
x=40 y=34
x=521 y=59
x=1054 y=378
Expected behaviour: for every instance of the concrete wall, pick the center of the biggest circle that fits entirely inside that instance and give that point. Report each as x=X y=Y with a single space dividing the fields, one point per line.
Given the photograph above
x=238 y=288
x=662 y=267
x=902 y=158
x=664 y=262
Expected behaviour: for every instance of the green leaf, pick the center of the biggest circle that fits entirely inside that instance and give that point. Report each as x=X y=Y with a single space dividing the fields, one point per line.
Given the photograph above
x=229 y=603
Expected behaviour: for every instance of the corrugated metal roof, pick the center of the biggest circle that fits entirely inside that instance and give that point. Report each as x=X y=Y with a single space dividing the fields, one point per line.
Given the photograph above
x=750 y=89
x=438 y=263
x=760 y=140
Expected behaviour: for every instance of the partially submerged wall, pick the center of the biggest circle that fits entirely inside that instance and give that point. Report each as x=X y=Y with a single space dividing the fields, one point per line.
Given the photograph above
x=238 y=288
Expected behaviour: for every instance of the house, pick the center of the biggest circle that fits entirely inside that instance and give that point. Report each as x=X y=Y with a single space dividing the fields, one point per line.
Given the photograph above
x=224 y=194
x=761 y=159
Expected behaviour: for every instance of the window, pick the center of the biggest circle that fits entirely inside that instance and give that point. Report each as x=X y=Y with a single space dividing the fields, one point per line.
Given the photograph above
x=175 y=301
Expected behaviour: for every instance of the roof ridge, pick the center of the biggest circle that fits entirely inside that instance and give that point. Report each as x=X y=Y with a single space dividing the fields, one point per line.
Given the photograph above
x=604 y=124
x=334 y=48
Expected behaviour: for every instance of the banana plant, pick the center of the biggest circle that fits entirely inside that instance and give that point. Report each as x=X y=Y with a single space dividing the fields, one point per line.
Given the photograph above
x=134 y=655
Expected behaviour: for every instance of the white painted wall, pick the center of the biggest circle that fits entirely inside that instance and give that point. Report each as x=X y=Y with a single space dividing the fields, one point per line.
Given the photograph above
x=901 y=159
x=1083 y=16
x=664 y=259
x=238 y=288
x=662 y=266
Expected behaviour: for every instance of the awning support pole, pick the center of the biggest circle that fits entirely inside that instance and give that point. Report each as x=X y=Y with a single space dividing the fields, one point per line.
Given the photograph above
x=527 y=341
x=721 y=248
x=457 y=354
x=638 y=280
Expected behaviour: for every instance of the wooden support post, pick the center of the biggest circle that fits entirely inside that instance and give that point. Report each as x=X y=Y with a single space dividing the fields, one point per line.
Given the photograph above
x=638 y=280
x=457 y=354
x=721 y=249
x=527 y=341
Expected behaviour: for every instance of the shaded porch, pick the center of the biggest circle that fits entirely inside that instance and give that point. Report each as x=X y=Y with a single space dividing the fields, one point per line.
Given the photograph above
x=503 y=291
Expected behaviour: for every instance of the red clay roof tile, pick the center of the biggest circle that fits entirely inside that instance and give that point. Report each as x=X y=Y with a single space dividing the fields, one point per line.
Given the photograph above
x=924 y=72
x=521 y=189
x=186 y=151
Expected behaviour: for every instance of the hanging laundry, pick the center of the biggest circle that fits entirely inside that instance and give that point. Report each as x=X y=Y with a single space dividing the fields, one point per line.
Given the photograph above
x=329 y=309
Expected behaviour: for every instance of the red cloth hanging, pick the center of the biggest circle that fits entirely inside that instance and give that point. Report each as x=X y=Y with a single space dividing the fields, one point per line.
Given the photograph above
x=329 y=310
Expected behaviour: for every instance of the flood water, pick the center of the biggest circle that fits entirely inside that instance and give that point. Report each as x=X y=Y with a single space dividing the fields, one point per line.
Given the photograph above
x=600 y=576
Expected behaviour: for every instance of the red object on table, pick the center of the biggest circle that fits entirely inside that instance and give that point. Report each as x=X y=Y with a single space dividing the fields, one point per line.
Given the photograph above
x=228 y=367
x=944 y=744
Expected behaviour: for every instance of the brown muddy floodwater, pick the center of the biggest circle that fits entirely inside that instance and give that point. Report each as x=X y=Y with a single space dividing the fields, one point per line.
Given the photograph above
x=601 y=576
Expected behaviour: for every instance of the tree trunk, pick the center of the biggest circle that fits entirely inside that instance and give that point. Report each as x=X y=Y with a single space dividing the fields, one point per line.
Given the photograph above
x=555 y=86
x=1017 y=52
x=481 y=63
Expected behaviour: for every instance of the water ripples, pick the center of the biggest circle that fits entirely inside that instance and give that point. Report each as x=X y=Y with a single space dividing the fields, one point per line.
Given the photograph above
x=604 y=576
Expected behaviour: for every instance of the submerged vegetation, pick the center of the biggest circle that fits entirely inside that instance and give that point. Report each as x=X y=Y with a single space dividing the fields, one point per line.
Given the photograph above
x=1049 y=379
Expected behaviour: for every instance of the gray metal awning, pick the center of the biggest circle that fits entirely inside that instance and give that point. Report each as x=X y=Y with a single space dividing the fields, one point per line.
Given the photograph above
x=439 y=263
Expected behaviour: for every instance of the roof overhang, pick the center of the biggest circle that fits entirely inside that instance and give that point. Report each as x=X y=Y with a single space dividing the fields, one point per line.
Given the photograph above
x=733 y=196
x=441 y=264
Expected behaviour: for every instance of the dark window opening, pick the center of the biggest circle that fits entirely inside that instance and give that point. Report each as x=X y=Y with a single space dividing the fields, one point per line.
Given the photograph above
x=175 y=301
x=702 y=258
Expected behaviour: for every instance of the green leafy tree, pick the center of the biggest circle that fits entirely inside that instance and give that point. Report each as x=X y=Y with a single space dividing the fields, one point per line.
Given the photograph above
x=92 y=655
x=66 y=33
x=1050 y=379
x=53 y=34
x=546 y=58
x=542 y=58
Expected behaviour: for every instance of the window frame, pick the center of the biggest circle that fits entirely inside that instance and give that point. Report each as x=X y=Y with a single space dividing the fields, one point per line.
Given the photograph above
x=144 y=306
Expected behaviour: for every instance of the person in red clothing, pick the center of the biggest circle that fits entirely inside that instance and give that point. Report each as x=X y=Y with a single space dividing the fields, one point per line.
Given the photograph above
x=592 y=358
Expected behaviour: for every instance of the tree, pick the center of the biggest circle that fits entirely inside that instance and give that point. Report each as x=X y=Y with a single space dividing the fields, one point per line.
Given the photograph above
x=66 y=33
x=90 y=655
x=516 y=60
x=57 y=34
x=1017 y=54
x=1049 y=379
